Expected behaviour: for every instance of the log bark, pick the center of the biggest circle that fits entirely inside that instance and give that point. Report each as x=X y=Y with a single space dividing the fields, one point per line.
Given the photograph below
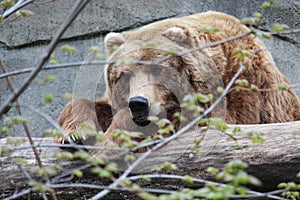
x=275 y=160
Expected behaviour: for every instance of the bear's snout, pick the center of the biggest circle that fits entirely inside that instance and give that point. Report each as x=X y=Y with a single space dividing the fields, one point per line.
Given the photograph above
x=139 y=108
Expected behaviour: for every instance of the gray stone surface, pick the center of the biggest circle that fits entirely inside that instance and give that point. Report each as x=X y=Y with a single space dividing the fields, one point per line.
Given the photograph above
x=23 y=40
x=97 y=17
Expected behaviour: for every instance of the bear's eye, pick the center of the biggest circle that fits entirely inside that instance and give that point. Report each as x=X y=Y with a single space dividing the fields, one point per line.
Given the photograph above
x=155 y=71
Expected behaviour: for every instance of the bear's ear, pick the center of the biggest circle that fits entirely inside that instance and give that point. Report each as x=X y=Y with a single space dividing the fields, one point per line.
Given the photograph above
x=113 y=41
x=176 y=34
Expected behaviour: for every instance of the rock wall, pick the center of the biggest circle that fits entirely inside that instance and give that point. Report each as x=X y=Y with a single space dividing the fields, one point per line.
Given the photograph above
x=23 y=40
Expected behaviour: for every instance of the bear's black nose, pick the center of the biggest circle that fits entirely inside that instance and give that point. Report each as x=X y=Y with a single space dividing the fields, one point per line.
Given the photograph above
x=138 y=106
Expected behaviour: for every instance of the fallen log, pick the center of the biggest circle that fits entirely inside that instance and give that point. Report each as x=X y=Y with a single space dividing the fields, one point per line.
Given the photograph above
x=275 y=160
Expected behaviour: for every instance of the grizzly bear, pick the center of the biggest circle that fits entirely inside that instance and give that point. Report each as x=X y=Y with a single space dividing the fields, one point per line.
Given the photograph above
x=149 y=73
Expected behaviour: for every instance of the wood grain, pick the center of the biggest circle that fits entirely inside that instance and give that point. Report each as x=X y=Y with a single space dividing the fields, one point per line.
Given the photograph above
x=276 y=159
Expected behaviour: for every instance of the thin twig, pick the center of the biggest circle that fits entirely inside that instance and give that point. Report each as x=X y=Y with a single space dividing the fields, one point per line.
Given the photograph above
x=58 y=179
x=166 y=140
x=199 y=48
x=20 y=4
x=103 y=62
x=54 y=145
x=79 y=5
x=286 y=32
x=92 y=186
x=56 y=66
x=27 y=175
x=19 y=194
x=253 y=194
x=26 y=128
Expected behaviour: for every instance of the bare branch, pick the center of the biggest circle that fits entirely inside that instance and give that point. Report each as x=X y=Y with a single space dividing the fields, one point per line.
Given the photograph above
x=166 y=140
x=80 y=4
x=92 y=186
x=254 y=194
x=51 y=67
x=287 y=32
x=26 y=128
x=20 y=4
x=103 y=62
x=20 y=194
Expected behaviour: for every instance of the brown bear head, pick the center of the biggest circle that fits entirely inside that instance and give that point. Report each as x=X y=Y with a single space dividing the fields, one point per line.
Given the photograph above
x=147 y=75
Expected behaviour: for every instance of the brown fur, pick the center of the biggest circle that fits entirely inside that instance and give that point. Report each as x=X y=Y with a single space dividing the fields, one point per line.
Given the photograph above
x=201 y=70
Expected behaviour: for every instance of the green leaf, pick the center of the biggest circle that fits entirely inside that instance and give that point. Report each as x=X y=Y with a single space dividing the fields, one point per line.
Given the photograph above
x=212 y=170
x=135 y=134
x=136 y=188
x=282 y=87
x=146 y=178
x=95 y=49
x=282 y=185
x=236 y=130
x=258 y=15
x=238 y=147
x=100 y=56
x=198 y=152
x=265 y=5
x=280 y=27
x=16 y=121
x=266 y=35
x=81 y=155
x=26 y=13
x=202 y=122
x=220 y=90
x=127 y=182
x=171 y=51
x=5 y=151
x=147 y=196
x=115 y=47
x=188 y=179
x=218 y=123
x=69 y=49
x=53 y=61
x=7 y=3
x=209 y=29
x=203 y=98
x=295 y=195
x=180 y=117
x=298 y=175
x=5 y=130
x=166 y=166
x=242 y=82
x=253 y=87
x=129 y=158
x=238 y=164
x=48 y=98
x=68 y=95
x=49 y=78
x=257 y=139
x=242 y=53
x=39 y=187
x=77 y=173
x=104 y=174
x=64 y=156
x=112 y=167
x=251 y=21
